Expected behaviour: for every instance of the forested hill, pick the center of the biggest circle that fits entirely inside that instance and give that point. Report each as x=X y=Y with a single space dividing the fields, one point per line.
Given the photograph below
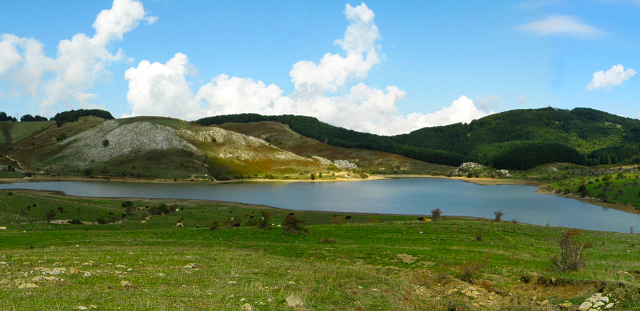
x=518 y=139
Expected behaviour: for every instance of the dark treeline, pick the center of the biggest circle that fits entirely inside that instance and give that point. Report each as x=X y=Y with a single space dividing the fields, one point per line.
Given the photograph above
x=4 y=117
x=30 y=118
x=73 y=115
x=518 y=139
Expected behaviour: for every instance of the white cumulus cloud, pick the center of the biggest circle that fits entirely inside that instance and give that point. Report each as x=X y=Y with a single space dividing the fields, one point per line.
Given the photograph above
x=80 y=61
x=612 y=77
x=561 y=25
x=163 y=89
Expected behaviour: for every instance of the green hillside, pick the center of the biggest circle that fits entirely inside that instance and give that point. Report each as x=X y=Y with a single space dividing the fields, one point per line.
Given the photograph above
x=518 y=139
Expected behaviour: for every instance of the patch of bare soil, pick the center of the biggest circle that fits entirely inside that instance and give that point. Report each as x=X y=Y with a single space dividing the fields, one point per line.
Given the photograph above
x=444 y=292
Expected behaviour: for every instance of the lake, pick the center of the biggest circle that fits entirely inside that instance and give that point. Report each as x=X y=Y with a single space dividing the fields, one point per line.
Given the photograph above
x=414 y=196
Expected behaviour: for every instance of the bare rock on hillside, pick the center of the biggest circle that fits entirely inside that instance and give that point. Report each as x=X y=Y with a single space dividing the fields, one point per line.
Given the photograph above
x=228 y=144
x=125 y=139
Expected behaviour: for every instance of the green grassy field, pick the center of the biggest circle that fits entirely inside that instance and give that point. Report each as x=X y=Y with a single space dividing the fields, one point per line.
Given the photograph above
x=372 y=262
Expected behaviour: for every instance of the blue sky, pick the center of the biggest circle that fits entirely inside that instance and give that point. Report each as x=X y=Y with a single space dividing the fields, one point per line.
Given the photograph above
x=376 y=66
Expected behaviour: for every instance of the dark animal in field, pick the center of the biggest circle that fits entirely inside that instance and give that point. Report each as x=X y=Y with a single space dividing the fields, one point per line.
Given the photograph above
x=28 y=207
x=421 y=218
x=197 y=226
x=110 y=213
x=230 y=211
x=347 y=217
x=34 y=205
x=124 y=215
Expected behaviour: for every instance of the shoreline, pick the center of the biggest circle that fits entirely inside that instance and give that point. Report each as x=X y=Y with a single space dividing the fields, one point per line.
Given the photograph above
x=542 y=187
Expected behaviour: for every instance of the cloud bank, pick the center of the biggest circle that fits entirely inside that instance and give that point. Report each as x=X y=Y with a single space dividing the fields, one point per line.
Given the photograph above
x=163 y=89
x=612 y=77
x=80 y=61
x=561 y=25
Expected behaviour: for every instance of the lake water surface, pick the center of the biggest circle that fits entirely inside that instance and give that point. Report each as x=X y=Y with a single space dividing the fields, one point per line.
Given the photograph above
x=415 y=196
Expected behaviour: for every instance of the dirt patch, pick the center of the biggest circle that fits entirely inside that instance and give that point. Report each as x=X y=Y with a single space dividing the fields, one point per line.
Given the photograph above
x=407 y=258
x=550 y=287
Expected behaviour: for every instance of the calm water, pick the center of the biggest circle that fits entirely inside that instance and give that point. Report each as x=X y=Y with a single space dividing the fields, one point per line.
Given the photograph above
x=399 y=196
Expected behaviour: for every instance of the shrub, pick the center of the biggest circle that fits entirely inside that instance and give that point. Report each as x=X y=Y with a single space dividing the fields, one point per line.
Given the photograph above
x=105 y=143
x=10 y=193
x=61 y=137
x=263 y=221
x=60 y=209
x=88 y=171
x=214 y=225
x=293 y=225
x=232 y=222
x=101 y=220
x=582 y=188
x=436 y=214
x=159 y=209
x=499 y=215
x=571 y=250
x=75 y=222
x=50 y=215
x=327 y=240
x=470 y=270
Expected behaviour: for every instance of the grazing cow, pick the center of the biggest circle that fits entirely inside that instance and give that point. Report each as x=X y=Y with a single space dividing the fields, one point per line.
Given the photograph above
x=34 y=205
x=347 y=217
x=421 y=218
x=197 y=226
x=179 y=225
x=230 y=211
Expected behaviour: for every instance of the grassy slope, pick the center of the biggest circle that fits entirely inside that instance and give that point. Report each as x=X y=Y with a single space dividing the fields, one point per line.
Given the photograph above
x=388 y=263
x=369 y=160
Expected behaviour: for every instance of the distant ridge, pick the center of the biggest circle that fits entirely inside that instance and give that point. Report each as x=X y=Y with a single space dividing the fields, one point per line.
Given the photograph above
x=517 y=139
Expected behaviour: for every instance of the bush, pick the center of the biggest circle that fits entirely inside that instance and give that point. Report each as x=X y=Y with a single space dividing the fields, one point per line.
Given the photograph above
x=499 y=215
x=75 y=222
x=470 y=270
x=263 y=221
x=214 y=225
x=50 y=215
x=436 y=214
x=61 y=137
x=293 y=225
x=105 y=143
x=101 y=220
x=232 y=223
x=571 y=250
x=159 y=209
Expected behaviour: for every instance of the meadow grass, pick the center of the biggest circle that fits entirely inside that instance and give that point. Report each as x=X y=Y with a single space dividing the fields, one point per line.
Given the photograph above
x=372 y=262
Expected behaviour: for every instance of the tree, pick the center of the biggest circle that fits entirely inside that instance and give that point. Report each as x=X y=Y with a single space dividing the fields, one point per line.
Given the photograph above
x=499 y=215
x=435 y=214
x=50 y=215
x=571 y=250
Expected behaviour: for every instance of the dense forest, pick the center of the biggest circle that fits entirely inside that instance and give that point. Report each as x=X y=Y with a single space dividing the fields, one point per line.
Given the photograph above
x=73 y=115
x=517 y=139
x=4 y=117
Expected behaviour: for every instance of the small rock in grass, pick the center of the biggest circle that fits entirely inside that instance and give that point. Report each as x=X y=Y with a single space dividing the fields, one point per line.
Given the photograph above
x=126 y=284
x=73 y=270
x=81 y=308
x=190 y=266
x=566 y=304
x=28 y=285
x=246 y=307
x=585 y=306
x=608 y=306
x=294 y=301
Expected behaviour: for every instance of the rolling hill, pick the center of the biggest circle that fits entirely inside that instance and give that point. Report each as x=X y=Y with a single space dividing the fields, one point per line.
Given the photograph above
x=518 y=139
